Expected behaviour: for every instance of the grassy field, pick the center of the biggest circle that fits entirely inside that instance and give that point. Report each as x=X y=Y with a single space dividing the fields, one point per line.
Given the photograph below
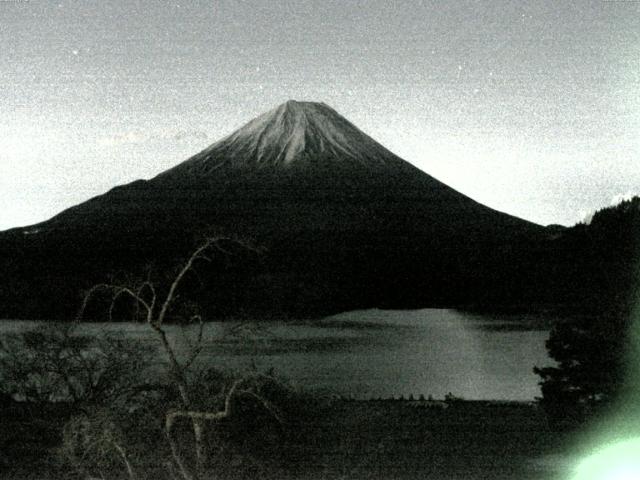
x=348 y=440
x=467 y=440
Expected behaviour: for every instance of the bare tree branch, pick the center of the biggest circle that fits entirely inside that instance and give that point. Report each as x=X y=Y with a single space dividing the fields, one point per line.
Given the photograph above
x=269 y=406
x=195 y=350
x=178 y=279
x=145 y=297
x=125 y=459
x=117 y=291
x=172 y=416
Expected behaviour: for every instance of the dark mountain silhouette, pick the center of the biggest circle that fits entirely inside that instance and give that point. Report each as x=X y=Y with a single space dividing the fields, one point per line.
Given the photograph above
x=301 y=158
x=343 y=223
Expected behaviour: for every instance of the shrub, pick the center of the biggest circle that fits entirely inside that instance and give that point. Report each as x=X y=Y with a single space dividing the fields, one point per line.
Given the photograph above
x=55 y=363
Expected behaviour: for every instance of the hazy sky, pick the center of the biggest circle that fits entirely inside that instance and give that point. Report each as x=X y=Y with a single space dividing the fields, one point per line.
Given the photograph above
x=532 y=108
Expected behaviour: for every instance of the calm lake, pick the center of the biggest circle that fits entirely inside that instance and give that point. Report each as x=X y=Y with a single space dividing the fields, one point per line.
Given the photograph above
x=378 y=353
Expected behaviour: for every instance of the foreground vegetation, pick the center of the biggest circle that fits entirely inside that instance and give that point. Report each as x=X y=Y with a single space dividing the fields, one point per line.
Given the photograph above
x=341 y=440
x=81 y=406
x=85 y=407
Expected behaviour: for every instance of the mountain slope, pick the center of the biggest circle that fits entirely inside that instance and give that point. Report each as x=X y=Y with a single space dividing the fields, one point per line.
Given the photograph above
x=299 y=152
x=345 y=223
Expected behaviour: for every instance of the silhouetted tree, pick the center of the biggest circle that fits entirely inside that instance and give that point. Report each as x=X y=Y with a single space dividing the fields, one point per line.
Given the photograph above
x=153 y=304
x=54 y=362
x=590 y=371
x=591 y=351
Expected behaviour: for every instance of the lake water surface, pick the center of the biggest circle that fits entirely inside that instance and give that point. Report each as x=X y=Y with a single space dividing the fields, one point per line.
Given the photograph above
x=378 y=353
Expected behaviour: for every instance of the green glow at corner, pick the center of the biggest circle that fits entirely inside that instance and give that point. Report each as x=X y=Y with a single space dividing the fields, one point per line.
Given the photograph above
x=620 y=461
x=618 y=455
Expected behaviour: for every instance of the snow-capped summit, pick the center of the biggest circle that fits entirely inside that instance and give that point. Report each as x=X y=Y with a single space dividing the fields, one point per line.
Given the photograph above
x=294 y=133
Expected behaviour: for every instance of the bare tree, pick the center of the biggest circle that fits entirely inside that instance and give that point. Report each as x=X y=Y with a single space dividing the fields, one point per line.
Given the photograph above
x=54 y=362
x=154 y=308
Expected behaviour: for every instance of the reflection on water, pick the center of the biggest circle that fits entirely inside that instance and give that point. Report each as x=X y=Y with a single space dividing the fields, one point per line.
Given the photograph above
x=379 y=353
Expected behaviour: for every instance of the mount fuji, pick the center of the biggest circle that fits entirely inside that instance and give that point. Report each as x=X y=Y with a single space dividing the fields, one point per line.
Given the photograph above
x=342 y=223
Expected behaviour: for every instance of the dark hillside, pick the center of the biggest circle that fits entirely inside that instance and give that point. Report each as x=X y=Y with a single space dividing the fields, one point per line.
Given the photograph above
x=341 y=223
